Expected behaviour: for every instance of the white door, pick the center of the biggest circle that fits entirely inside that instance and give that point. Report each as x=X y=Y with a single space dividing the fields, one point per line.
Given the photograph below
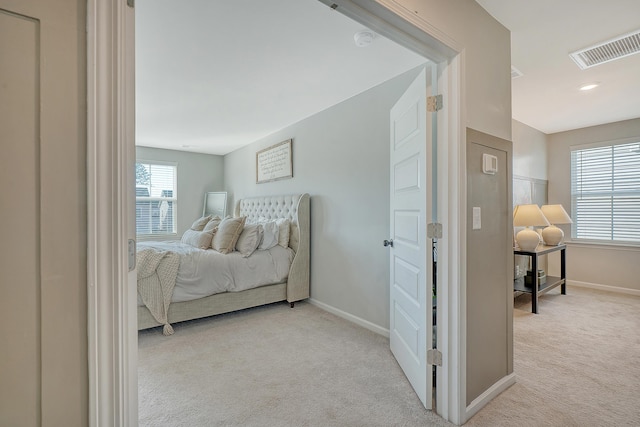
x=43 y=332
x=410 y=253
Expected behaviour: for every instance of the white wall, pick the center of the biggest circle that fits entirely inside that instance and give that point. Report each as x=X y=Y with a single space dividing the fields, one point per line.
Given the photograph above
x=591 y=263
x=341 y=158
x=529 y=151
x=197 y=174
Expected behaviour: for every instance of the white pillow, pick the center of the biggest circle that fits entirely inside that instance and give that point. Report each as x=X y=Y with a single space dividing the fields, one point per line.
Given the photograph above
x=197 y=239
x=270 y=235
x=249 y=239
x=284 y=229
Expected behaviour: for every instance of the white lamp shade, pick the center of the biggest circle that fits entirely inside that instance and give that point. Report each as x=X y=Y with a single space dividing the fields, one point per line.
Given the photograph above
x=529 y=216
x=556 y=214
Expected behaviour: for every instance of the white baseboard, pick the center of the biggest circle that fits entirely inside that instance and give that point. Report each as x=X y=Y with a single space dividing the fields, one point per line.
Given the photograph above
x=616 y=289
x=350 y=317
x=486 y=397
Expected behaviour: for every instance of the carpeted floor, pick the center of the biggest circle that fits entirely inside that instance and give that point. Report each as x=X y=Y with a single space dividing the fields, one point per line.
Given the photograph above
x=576 y=364
x=274 y=366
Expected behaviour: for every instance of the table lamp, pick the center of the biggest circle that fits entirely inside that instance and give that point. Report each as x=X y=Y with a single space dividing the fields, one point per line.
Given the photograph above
x=555 y=214
x=528 y=216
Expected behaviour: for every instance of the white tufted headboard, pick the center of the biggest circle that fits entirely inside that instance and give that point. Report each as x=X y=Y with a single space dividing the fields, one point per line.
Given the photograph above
x=296 y=209
x=274 y=207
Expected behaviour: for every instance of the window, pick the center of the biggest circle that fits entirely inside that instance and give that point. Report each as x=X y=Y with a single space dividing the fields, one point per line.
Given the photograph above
x=605 y=192
x=156 y=198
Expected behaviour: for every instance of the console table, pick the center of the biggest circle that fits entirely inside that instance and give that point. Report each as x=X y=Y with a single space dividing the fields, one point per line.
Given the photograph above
x=536 y=289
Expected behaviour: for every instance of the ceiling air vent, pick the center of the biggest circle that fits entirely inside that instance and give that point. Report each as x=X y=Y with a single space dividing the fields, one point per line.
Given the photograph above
x=607 y=51
x=515 y=72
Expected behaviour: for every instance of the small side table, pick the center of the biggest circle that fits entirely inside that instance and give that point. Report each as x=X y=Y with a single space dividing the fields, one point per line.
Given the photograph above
x=536 y=289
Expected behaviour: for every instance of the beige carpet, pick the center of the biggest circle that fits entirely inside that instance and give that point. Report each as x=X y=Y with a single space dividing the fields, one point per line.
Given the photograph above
x=274 y=366
x=577 y=363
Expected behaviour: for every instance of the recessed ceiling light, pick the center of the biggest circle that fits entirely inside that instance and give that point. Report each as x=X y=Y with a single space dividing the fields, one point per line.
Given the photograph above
x=589 y=86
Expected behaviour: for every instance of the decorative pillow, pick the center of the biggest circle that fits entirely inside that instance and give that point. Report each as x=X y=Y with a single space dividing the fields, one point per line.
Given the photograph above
x=269 y=236
x=284 y=229
x=249 y=239
x=199 y=223
x=198 y=239
x=224 y=240
x=212 y=224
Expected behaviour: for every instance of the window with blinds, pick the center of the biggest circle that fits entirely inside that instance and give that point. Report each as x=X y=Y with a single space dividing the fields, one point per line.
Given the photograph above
x=156 y=198
x=605 y=193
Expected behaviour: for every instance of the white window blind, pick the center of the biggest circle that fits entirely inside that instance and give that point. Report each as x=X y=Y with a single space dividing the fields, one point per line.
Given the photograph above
x=156 y=198
x=605 y=193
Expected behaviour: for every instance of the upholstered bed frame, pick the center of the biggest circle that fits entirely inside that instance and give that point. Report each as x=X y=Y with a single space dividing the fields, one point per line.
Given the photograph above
x=296 y=288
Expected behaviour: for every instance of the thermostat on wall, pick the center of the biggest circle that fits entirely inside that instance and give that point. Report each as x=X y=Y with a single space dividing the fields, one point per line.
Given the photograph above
x=489 y=164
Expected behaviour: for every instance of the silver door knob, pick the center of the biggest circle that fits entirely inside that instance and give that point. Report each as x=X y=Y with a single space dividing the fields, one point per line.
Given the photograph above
x=388 y=243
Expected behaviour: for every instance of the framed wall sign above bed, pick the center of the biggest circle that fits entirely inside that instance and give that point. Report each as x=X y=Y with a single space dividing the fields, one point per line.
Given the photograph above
x=275 y=162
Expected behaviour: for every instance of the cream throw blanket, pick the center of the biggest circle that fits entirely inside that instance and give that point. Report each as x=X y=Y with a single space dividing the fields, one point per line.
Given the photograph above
x=157 y=271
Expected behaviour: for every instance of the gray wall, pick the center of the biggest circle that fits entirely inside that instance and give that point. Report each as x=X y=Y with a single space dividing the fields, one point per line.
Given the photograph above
x=341 y=158
x=529 y=168
x=529 y=151
x=487 y=59
x=197 y=174
x=489 y=270
x=598 y=264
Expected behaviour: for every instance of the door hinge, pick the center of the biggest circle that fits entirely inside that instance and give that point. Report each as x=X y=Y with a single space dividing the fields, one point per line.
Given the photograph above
x=434 y=230
x=434 y=103
x=130 y=3
x=434 y=357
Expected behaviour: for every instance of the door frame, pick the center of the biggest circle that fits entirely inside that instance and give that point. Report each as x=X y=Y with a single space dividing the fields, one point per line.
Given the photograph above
x=112 y=315
x=110 y=157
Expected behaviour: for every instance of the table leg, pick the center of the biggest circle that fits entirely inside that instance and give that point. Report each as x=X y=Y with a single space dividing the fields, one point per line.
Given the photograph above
x=534 y=283
x=563 y=272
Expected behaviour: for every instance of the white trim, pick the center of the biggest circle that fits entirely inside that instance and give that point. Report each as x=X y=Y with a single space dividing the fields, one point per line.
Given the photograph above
x=489 y=394
x=616 y=289
x=350 y=317
x=605 y=143
x=457 y=254
x=112 y=336
x=600 y=245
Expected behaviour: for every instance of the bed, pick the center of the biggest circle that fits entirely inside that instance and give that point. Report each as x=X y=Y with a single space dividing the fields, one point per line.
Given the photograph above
x=291 y=288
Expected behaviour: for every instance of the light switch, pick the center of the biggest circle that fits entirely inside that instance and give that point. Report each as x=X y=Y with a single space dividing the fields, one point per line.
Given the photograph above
x=477 y=218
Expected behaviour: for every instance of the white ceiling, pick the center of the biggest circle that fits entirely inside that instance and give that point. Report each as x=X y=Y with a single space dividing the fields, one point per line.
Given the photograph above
x=543 y=33
x=213 y=76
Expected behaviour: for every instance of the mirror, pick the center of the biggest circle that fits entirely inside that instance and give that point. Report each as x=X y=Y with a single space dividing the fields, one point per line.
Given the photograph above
x=215 y=203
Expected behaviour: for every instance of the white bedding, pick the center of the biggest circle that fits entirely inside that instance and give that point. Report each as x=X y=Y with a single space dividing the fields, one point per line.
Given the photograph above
x=207 y=272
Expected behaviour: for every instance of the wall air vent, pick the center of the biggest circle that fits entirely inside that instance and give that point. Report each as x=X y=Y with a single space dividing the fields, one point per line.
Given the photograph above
x=515 y=72
x=607 y=51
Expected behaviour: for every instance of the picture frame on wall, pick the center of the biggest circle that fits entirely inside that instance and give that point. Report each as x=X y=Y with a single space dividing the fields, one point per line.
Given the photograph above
x=274 y=163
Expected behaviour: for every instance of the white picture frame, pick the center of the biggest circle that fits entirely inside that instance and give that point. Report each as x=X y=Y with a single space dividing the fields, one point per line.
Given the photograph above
x=274 y=163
